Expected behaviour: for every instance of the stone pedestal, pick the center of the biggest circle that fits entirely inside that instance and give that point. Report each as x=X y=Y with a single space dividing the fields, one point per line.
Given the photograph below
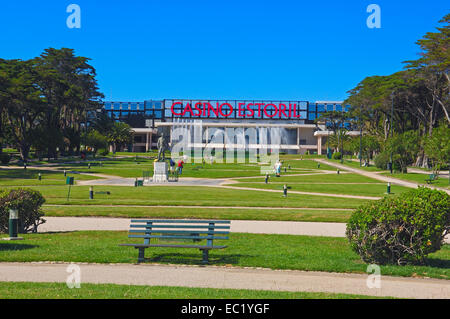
x=160 y=172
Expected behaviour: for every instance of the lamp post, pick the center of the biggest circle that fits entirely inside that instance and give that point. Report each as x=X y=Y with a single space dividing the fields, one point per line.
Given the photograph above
x=360 y=140
x=391 y=164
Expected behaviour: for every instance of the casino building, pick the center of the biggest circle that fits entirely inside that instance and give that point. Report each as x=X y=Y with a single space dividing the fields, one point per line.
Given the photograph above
x=296 y=118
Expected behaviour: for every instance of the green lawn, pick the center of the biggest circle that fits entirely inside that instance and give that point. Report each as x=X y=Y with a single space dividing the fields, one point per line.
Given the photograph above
x=316 y=178
x=28 y=290
x=196 y=196
x=419 y=178
x=21 y=177
x=374 y=190
x=244 y=250
x=354 y=164
x=337 y=216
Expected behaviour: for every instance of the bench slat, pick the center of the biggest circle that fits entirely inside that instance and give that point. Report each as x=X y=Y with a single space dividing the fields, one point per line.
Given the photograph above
x=180 y=221
x=178 y=226
x=175 y=237
x=174 y=246
x=178 y=232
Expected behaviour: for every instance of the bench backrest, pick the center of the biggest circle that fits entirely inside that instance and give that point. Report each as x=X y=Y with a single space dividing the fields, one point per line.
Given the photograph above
x=196 y=230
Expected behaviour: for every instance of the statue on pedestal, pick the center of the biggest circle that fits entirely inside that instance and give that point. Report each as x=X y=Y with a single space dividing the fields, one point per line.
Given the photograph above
x=162 y=147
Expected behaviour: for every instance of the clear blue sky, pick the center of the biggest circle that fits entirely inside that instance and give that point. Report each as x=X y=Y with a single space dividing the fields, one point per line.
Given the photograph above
x=227 y=49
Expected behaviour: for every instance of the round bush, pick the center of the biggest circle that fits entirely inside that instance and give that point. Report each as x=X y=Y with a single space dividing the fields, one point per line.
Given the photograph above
x=336 y=156
x=5 y=158
x=28 y=202
x=400 y=230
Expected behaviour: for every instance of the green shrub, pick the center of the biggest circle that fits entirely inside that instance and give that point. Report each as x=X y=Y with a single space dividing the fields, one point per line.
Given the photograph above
x=400 y=230
x=382 y=160
x=336 y=156
x=103 y=152
x=5 y=158
x=28 y=202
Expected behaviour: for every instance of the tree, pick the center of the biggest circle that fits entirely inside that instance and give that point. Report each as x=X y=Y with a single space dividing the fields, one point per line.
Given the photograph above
x=120 y=135
x=437 y=147
x=434 y=65
x=95 y=140
x=404 y=148
x=335 y=120
x=68 y=83
x=22 y=101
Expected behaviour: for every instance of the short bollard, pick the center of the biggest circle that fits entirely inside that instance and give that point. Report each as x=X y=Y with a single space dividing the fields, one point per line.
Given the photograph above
x=388 y=191
x=13 y=225
x=91 y=192
x=39 y=176
x=318 y=165
x=267 y=178
x=89 y=166
x=285 y=188
x=136 y=183
x=338 y=172
x=65 y=173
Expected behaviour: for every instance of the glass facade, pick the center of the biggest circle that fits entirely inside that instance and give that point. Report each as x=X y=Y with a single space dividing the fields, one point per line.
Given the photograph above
x=171 y=109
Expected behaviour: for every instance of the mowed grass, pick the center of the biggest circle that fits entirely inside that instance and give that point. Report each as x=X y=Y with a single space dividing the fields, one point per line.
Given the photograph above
x=420 y=179
x=30 y=290
x=355 y=164
x=244 y=250
x=316 y=177
x=374 y=190
x=29 y=177
x=304 y=215
x=196 y=196
x=134 y=166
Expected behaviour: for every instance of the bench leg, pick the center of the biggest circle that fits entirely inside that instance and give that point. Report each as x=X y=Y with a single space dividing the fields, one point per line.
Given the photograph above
x=141 y=257
x=205 y=256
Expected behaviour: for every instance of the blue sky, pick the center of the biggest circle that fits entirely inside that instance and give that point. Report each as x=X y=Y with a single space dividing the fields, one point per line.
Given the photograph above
x=224 y=49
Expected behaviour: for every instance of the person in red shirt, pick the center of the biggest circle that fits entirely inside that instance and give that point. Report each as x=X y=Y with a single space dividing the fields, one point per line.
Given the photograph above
x=180 y=166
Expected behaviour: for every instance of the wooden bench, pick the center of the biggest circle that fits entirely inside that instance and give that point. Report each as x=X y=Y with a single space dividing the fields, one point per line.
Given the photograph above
x=431 y=178
x=195 y=230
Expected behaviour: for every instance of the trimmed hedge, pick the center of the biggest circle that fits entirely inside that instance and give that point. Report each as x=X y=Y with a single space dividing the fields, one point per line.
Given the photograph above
x=28 y=202
x=400 y=230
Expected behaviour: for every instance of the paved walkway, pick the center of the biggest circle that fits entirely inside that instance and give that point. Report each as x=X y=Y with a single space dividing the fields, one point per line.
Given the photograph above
x=227 y=278
x=380 y=177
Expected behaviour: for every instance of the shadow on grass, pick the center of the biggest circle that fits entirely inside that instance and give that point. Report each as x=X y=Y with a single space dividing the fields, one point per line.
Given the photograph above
x=437 y=263
x=13 y=247
x=193 y=259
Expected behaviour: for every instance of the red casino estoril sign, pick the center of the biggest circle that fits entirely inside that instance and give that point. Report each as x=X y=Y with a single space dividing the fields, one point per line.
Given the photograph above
x=238 y=109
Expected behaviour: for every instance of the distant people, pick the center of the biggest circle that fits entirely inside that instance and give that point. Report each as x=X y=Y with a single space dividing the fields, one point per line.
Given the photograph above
x=180 y=166
x=172 y=166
